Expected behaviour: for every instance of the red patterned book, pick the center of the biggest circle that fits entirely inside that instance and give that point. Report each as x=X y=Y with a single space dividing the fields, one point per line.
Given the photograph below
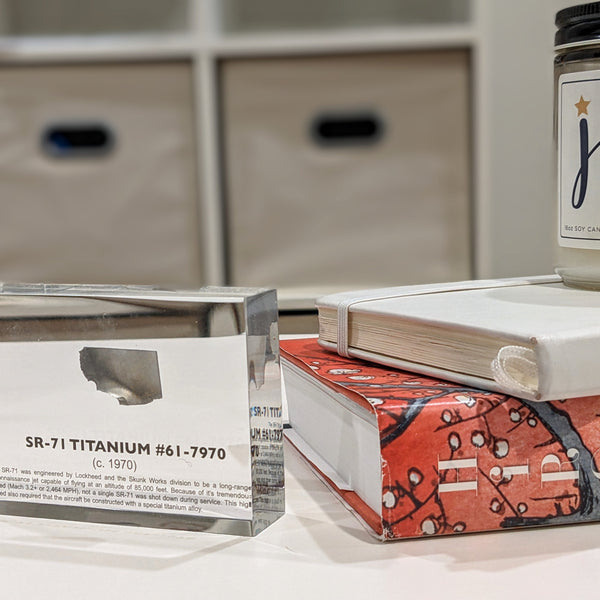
x=415 y=456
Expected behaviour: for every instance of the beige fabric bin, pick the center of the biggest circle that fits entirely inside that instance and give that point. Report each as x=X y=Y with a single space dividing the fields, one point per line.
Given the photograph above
x=390 y=208
x=123 y=212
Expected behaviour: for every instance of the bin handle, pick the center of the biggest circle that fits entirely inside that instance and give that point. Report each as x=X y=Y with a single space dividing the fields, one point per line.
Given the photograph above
x=331 y=128
x=74 y=140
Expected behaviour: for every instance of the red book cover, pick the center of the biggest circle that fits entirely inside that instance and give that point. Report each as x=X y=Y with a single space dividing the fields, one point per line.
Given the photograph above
x=456 y=459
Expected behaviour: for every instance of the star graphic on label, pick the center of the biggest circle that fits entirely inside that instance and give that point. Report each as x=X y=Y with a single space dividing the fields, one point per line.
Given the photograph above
x=582 y=106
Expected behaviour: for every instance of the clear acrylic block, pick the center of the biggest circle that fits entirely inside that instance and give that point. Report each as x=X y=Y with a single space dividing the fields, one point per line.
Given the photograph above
x=141 y=406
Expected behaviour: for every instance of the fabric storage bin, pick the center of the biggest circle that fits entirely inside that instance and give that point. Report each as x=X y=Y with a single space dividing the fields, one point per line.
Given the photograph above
x=270 y=15
x=97 y=174
x=68 y=17
x=348 y=170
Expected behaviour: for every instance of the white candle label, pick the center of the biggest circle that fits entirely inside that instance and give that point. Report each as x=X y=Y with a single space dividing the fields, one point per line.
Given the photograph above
x=579 y=160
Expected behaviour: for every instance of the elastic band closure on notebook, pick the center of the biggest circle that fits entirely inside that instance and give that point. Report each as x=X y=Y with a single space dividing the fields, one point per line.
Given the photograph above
x=342 y=328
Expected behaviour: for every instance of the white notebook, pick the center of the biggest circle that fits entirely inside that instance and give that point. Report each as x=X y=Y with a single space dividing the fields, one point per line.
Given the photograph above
x=530 y=337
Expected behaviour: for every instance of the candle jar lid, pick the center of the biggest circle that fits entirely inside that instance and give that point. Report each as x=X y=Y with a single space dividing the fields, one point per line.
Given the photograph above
x=577 y=24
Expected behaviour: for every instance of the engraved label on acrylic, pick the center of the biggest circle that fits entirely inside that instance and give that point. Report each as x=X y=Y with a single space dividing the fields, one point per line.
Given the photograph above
x=73 y=444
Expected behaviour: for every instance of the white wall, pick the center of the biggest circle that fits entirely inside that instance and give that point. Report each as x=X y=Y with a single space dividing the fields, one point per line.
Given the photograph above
x=515 y=145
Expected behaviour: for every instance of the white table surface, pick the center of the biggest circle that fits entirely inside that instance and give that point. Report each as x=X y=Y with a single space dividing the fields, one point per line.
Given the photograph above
x=317 y=550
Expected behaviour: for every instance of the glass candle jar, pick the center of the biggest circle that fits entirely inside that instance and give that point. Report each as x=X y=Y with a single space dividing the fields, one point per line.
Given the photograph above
x=577 y=135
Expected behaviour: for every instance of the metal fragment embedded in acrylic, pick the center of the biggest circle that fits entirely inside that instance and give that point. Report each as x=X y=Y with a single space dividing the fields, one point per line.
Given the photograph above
x=140 y=406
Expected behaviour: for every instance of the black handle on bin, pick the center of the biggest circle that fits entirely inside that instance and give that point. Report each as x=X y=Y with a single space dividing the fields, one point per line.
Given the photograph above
x=71 y=140
x=347 y=128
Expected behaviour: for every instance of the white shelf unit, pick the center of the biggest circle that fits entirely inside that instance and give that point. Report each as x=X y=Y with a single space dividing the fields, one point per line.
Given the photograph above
x=510 y=44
